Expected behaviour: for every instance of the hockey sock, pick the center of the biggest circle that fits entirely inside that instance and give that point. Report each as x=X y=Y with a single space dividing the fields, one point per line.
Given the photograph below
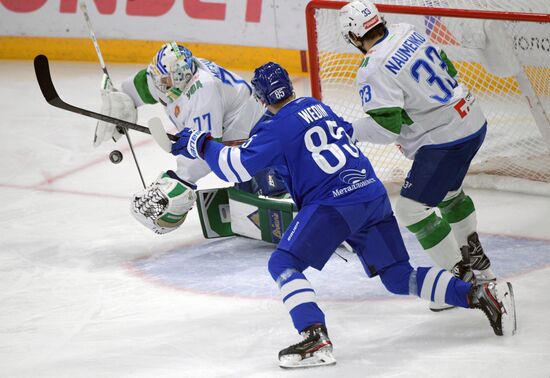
x=435 y=237
x=459 y=212
x=439 y=286
x=296 y=291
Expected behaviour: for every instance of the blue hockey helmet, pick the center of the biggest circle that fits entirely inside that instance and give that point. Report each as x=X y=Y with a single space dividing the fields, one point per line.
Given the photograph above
x=271 y=83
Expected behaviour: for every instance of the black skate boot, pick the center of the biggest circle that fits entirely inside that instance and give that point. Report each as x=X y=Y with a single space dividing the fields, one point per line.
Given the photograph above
x=314 y=350
x=496 y=300
x=480 y=261
x=462 y=270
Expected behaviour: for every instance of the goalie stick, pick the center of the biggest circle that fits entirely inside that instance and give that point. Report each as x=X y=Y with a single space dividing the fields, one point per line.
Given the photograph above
x=43 y=76
x=108 y=85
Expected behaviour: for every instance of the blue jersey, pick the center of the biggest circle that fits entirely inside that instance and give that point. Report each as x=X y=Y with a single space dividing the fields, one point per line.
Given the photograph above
x=310 y=148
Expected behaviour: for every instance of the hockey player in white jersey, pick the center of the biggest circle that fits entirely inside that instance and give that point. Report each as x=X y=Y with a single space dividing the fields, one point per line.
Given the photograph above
x=411 y=97
x=195 y=93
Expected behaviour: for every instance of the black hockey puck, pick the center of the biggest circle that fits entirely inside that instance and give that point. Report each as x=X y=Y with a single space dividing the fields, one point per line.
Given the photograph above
x=115 y=156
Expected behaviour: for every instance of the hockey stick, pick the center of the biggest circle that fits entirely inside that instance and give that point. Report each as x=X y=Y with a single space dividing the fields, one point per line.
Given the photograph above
x=107 y=84
x=159 y=134
x=162 y=138
x=84 y=9
x=43 y=76
x=42 y=70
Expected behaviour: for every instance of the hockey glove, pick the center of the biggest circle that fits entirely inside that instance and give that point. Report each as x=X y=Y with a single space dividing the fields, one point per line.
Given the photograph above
x=117 y=105
x=190 y=143
x=163 y=205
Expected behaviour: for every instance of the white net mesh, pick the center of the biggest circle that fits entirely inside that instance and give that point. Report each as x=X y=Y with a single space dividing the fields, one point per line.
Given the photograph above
x=506 y=72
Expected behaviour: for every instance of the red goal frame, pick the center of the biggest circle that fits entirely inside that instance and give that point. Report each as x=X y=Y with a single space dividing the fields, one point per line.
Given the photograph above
x=316 y=90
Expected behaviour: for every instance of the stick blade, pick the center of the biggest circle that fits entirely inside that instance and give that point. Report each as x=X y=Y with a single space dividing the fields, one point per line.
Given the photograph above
x=159 y=134
x=42 y=71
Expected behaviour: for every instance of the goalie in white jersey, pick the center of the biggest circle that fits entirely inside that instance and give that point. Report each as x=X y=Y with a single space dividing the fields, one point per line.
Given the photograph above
x=409 y=91
x=196 y=93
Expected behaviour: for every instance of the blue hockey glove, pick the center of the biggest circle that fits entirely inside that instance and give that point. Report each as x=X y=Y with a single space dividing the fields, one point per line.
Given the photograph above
x=190 y=143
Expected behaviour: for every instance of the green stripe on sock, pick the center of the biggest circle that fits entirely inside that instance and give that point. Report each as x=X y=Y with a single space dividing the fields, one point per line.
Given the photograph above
x=430 y=231
x=457 y=209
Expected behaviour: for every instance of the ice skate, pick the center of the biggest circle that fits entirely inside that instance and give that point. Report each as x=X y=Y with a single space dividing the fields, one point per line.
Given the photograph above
x=461 y=270
x=496 y=300
x=314 y=350
x=480 y=261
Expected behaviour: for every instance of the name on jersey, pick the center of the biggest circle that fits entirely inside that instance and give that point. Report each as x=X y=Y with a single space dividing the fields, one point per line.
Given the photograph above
x=313 y=113
x=404 y=53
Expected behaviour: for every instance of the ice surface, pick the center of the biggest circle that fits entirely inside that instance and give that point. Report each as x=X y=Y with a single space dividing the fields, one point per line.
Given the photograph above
x=86 y=291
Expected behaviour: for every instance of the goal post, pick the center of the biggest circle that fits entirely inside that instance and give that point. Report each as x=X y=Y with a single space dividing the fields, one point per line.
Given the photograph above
x=501 y=50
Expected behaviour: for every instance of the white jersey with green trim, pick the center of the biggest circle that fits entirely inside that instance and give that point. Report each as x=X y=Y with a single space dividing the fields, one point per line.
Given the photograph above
x=408 y=89
x=216 y=100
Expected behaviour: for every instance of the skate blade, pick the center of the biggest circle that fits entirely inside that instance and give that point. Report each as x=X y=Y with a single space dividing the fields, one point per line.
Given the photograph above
x=509 y=322
x=319 y=358
x=436 y=307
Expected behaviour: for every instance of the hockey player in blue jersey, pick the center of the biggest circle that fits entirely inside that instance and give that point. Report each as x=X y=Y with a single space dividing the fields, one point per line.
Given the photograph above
x=339 y=199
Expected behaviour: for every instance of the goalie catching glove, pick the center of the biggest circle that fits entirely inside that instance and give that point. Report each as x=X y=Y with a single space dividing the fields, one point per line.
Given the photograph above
x=117 y=105
x=163 y=205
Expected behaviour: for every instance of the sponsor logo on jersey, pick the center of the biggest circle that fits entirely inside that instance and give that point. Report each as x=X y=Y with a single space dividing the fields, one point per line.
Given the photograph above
x=193 y=88
x=402 y=55
x=355 y=179
x=351 y=188
x=353 y=176
x=313 y=113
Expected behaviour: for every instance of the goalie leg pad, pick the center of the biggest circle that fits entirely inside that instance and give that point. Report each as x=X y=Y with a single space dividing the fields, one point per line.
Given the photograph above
x=163 y=205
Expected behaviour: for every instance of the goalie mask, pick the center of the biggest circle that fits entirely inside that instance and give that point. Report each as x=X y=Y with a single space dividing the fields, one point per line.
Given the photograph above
x=171 y=70
x=358 y=18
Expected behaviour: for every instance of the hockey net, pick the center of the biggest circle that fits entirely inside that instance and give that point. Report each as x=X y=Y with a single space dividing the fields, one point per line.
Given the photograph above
x=501 y=49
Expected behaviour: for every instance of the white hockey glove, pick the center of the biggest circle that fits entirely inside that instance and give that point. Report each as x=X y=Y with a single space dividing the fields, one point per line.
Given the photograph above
x=118 y=105
x=163 y=205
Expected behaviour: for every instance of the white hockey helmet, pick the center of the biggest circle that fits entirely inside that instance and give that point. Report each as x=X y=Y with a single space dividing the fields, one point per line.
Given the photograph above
x=172 y=69
x=358 y=17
